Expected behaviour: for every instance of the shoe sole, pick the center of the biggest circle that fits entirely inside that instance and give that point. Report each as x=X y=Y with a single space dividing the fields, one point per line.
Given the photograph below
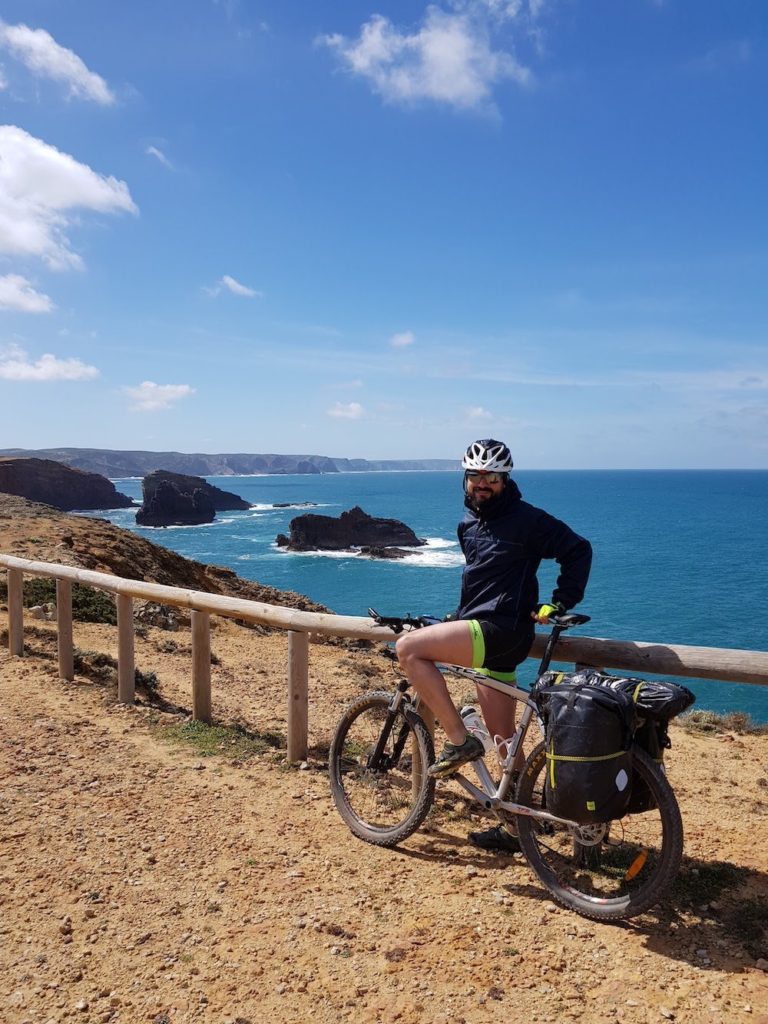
x=451 y=769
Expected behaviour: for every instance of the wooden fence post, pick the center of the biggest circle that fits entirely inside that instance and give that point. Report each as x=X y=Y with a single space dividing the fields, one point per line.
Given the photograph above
x=201 y=667
x=16 y=612
x=298 y=686
x=64 y=625
x=126 y=670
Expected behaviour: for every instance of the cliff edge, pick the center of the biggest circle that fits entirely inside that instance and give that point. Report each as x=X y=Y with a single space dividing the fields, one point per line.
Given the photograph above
x=58 y=485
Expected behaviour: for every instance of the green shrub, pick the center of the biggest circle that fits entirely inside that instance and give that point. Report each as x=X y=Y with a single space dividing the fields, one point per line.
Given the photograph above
x=703 y=721
x=88 y=605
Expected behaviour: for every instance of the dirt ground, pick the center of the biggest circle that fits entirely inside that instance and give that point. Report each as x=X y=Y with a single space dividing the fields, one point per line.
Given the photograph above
x=143 y=881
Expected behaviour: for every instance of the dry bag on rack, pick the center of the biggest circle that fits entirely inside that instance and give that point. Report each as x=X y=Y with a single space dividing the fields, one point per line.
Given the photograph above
x=656 y=701
x=588 y=732
x=654 y=698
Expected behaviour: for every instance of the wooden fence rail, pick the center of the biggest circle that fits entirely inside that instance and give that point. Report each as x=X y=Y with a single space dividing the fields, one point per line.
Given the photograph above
x=629 y=656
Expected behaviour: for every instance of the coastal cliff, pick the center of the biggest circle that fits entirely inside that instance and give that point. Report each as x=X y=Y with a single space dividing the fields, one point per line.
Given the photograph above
x=30 y=530
x=60 y=486
x=114 y=463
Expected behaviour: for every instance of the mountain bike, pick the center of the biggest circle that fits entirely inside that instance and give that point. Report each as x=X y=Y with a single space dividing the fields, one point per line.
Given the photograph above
x=607 y=871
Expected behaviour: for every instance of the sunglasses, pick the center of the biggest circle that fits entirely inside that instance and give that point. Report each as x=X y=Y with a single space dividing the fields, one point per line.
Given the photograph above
x=489 y=478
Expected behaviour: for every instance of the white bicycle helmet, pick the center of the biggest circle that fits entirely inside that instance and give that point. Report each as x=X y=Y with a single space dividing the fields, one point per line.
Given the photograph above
x=488 y=455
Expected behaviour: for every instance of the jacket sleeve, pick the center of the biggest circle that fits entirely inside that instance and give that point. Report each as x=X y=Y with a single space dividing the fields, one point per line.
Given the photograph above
x=573 y=554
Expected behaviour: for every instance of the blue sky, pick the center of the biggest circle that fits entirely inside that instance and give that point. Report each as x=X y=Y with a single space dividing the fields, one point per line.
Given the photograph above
x=382 y=230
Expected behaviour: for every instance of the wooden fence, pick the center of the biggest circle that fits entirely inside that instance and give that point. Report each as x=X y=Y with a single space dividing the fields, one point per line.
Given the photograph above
x=629 y=656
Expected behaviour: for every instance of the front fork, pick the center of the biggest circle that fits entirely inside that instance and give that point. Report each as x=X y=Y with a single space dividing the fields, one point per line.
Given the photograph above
x=378 y=760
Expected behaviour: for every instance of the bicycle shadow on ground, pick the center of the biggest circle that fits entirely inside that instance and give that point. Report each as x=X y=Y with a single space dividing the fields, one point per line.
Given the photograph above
x=715 y=918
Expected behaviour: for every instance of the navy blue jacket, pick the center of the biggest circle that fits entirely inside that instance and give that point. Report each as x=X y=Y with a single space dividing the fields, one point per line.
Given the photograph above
x=504 y=545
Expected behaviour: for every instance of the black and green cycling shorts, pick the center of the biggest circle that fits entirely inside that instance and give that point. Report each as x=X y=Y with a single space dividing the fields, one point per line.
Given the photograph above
x=498 y=648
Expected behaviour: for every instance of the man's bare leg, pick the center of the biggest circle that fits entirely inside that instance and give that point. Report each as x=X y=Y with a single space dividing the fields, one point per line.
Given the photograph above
x=499 y=711
x=417 y=652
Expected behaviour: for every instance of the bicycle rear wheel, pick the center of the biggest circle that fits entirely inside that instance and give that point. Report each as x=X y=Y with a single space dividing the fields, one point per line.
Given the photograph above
x=378 y=770
x=609 y=871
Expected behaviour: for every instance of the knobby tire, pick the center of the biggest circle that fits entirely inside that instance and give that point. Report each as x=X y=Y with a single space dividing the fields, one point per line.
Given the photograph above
x=382 y=805
x=598 y=881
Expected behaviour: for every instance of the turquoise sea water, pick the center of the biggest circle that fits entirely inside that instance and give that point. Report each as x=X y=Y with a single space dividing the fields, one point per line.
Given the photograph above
x=680 y=557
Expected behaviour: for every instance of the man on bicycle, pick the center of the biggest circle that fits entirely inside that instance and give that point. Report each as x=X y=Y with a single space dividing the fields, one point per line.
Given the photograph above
x=503 y=539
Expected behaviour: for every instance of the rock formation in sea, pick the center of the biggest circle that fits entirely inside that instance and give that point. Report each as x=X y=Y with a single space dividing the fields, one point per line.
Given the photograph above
x=353 y=529
x=177 y=499
x=55 y=484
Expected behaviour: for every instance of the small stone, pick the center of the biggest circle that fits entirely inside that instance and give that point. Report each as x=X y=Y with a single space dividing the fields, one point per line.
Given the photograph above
x=304 y=766
x=666 y=1013
x=280 y=989
x=762 y=964
x=471 y=871
x=81 y=1005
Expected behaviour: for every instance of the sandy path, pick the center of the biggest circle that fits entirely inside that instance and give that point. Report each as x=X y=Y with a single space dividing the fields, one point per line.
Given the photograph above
x=141 y=882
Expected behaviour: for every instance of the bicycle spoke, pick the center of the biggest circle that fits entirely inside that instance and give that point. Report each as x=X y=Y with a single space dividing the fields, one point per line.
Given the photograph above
x=614 y=870
x=378 y=771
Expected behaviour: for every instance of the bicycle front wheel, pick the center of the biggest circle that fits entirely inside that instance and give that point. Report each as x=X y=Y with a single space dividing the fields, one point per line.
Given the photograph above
x=378 y=769
x=610 y=871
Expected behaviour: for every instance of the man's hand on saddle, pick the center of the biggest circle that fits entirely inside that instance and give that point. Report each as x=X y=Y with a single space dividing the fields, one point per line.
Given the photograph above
x=544 y=612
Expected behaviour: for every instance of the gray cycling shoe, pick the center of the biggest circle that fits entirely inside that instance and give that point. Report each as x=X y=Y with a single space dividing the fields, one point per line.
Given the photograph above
x=454 y=755
x=496 y=839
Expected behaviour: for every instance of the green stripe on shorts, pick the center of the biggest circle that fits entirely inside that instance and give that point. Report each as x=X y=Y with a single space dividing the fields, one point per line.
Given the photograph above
x=478 y=654
x=478 y=642
x=503 y=677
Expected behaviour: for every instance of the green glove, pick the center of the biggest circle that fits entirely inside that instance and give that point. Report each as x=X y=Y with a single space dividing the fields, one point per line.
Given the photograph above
x=545 y=612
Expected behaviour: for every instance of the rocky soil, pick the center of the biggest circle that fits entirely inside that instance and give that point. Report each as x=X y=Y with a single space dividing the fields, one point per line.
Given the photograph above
x=144 y=878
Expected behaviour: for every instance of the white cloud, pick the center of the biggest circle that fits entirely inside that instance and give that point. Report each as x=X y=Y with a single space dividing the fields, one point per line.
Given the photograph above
x=448 y=59
x=39 y=186
x=402 y=340
x=43 y=56
x=17 y=293
x=477 y=412
x=149 y=397
x=232 y=286
x=158 y=154
x=15 y=364
x=346 y=411
x=236 y=288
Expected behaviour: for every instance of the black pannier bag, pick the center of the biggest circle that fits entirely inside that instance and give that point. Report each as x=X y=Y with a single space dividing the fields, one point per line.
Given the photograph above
x=656 y=702
x=588 y=732
x=653 y=737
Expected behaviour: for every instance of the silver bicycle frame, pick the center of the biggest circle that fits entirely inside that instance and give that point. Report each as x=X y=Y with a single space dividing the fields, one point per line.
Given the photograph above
x=492 y=797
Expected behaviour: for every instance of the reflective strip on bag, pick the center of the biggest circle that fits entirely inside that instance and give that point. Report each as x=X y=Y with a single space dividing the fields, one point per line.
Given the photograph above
x=572 y=757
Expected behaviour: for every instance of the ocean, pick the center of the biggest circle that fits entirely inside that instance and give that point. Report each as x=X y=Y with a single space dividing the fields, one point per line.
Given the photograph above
x=679 y=556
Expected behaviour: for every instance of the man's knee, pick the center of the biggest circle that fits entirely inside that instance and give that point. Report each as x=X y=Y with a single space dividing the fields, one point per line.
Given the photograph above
x=404 y=649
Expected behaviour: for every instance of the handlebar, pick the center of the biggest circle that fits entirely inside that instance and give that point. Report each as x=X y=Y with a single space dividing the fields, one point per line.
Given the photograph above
x=398 y=623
